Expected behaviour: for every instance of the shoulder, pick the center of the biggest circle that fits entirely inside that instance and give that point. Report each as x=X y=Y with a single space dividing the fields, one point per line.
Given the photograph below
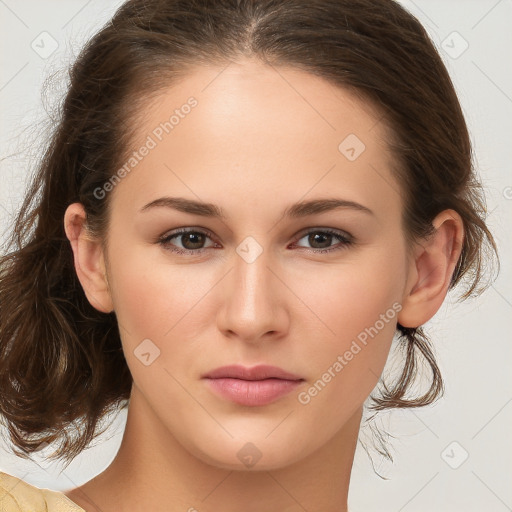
x=17 y=495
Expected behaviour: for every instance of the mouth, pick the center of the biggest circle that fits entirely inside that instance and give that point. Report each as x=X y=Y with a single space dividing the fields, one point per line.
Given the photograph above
x=257 y=386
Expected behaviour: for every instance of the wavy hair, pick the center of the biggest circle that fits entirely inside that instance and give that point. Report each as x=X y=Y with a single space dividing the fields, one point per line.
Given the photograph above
x=62 y=367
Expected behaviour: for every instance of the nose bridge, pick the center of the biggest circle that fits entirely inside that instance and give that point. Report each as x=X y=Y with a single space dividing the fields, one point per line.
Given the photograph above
x=251 y=277
x=251 y=306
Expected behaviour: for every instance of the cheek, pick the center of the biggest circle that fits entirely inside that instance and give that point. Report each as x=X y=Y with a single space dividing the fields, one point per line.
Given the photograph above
x=155 y=302
x=344 y=368
x=346 y=299
x=356 y=311
x=151 y=298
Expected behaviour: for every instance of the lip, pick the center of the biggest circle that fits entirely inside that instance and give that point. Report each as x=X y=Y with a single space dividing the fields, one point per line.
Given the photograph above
x=256 y=386
x=260 y=372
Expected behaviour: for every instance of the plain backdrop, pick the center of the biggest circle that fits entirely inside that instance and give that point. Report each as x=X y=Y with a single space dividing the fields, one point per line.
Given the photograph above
x=452 y=456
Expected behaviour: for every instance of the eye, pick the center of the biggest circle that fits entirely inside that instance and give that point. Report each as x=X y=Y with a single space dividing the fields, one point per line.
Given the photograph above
x=192 y=241
x=321 y=240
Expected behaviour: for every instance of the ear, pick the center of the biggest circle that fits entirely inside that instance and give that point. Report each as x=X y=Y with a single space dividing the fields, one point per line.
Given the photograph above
x=89 y=259
x=431 y=270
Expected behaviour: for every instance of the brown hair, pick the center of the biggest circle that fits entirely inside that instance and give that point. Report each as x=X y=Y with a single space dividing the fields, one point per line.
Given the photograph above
x=61 y=360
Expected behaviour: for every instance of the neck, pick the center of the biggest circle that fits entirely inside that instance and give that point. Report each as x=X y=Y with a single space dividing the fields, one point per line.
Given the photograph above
x=153 y=471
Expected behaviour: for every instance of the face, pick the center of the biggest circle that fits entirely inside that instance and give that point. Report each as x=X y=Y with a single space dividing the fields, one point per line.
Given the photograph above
x=312 y=290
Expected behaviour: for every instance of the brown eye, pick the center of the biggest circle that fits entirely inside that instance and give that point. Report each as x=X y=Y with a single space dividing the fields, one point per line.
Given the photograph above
x=185 y=241
x=321 y=240
x=192 y=240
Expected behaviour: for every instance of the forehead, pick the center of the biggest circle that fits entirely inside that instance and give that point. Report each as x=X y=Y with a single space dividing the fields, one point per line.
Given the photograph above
x=259 y=131
x=271 y=104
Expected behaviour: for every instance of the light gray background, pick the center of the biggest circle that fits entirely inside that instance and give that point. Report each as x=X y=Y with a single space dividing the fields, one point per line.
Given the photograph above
x=472 y=339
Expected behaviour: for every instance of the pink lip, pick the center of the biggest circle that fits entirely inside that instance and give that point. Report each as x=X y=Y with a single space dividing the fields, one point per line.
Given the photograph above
x=260 y=385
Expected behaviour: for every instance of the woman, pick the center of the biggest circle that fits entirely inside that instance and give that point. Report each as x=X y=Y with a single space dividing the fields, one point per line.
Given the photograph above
x=242 y=205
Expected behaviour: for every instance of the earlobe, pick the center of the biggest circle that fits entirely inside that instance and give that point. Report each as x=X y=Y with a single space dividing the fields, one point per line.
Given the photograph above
x=434 y=262
x=89 y=259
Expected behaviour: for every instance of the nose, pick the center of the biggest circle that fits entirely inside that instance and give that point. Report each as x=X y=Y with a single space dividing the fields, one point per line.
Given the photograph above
x=253 y=307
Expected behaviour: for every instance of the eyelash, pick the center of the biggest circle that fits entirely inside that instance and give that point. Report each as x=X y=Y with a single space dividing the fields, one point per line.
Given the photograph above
x=346 y=240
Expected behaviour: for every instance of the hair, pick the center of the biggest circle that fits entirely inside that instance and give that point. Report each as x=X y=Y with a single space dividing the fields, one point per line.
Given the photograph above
x=61 y=360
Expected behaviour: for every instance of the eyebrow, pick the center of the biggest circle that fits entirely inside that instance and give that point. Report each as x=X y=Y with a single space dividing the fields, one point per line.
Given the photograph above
x=297 y=210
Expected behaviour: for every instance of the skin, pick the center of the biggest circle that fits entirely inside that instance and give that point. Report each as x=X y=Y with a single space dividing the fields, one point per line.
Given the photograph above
x=259 y=140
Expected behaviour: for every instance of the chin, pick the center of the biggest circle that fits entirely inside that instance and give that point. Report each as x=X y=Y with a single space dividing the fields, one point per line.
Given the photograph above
x=248 y=453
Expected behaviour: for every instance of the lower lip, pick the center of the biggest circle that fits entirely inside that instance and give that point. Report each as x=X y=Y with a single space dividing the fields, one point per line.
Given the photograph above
x=253 y=392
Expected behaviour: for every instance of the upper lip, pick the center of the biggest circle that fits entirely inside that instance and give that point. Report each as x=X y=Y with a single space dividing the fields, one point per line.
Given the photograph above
x=259 y=372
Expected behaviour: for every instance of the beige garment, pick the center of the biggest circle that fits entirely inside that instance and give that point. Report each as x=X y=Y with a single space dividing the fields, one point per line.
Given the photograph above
x=17 y=495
